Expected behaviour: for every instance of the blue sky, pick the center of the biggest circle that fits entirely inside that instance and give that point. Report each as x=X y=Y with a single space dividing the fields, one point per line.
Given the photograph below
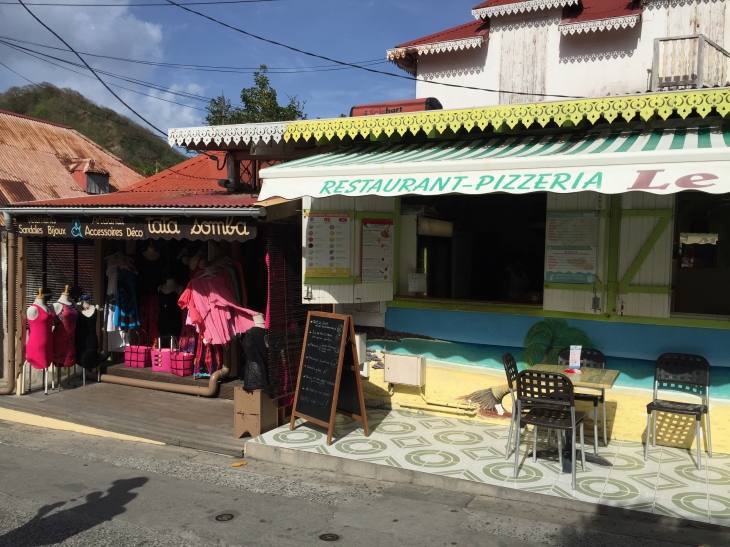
x=348 y=30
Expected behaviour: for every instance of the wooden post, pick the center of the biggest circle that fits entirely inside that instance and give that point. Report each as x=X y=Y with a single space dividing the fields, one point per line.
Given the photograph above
x=21 y=305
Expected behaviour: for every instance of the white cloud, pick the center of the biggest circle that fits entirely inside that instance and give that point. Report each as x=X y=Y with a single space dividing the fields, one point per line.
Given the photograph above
x=108 y=31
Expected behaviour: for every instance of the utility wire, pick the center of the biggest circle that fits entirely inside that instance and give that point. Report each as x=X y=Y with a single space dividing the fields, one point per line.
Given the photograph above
x=353 y=65
x=87 y=76
x=207 y=68
x=49 y=29
x=138 y=5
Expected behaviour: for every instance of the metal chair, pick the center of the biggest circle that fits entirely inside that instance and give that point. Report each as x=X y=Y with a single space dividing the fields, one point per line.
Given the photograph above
x=549 y=393
x=590 y=358
x=510 y=369
x=689 y=374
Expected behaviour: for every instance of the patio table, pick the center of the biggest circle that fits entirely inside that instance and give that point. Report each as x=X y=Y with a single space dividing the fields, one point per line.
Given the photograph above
x=594 y=378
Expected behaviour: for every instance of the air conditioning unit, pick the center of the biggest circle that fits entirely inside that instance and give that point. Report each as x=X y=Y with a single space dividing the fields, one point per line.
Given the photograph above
x=408 y=370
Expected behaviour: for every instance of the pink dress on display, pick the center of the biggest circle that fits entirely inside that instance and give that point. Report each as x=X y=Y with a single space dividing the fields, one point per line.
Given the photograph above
x=64 y=337
x=39 y=347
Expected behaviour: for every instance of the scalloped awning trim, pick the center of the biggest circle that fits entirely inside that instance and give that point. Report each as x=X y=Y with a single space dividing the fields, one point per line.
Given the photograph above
x=645 y=107
x=436 y=47
x=227 y=134
x=520 y=7
x=626 y=21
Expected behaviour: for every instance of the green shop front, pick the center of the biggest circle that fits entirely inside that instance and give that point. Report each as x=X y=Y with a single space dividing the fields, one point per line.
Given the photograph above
x=458 y=236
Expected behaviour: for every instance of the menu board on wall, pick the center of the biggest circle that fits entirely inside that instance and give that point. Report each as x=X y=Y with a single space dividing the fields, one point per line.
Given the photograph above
x=327 y=247
x=377 y=250
x=571 y=248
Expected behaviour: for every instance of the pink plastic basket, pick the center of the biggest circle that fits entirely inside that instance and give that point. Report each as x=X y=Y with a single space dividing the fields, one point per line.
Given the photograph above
x=182 y=362
x=137 y=356
x=161 y=358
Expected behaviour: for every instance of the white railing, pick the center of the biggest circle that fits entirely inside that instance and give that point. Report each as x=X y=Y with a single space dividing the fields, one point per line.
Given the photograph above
x=693 y=61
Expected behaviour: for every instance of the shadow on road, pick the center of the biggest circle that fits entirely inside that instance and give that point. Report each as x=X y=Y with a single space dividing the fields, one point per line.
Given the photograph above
x=48 y=529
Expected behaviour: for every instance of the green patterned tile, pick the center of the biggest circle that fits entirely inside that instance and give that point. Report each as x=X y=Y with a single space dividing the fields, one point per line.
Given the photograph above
x=432 y=459
x=645 y=504
x=459 y=438
x=438 y=423
x=415 y=441
x=691 y=504
x=484 y=453
x=394 y=428
x=365 y=446
x=630 y=461
x=383 y=460
x=688 y=473
x=564 y=490
x=718 y=476
x=720 y=508
x=677 y=455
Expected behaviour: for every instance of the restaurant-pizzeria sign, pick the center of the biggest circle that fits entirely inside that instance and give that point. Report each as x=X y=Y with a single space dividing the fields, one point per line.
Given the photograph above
x=138 y=228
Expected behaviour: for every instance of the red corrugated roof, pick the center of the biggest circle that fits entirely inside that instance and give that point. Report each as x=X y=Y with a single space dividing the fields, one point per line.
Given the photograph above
x=192 y=183
x=595 y=10
x=469 y=30
x=35 y=153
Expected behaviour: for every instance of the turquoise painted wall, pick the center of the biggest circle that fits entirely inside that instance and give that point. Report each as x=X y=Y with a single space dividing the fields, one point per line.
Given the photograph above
x=624 y=340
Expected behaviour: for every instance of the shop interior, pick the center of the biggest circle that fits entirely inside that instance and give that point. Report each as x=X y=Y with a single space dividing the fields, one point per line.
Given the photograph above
x=177 y=303
x=701 y=272
x=488 y=248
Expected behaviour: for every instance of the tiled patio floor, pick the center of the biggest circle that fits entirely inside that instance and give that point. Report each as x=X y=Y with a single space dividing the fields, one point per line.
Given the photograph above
x=668 y=483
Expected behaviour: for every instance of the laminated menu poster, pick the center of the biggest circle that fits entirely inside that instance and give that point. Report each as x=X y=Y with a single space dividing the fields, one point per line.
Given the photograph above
x=377 y=250
x=327 y=246
x=571 y=248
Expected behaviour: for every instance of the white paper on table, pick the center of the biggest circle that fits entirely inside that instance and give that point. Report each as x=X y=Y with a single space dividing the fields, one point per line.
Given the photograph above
x=575 y=352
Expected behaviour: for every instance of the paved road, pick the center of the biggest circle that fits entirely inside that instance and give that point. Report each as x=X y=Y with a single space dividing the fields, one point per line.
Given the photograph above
x=59 y=488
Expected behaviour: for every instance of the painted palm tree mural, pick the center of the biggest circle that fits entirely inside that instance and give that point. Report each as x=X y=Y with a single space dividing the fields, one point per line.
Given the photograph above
x=543 y=342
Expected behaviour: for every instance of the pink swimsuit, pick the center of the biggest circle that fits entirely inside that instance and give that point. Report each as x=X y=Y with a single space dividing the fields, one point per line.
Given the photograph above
x=39 y=347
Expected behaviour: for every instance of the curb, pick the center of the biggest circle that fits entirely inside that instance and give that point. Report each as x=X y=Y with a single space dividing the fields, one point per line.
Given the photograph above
x=369 y=470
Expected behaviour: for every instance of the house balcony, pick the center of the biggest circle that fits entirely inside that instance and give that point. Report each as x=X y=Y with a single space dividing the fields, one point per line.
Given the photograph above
x=688 y=62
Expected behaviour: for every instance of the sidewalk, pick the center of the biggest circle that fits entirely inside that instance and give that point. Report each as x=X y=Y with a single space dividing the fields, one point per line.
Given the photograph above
x=405 y=442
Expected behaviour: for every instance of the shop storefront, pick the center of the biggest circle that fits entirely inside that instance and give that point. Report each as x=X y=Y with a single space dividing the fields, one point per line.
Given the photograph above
x=476 y=232
x=197 y=271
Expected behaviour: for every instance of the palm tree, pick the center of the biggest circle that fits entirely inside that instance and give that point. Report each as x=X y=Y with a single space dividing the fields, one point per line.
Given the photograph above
x=544 y=341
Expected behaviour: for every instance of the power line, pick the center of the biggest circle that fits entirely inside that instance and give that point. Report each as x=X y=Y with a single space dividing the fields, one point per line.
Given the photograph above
x=139 y=5
x=352 y=65
x=87 y=76
x=208 y=68
x=98 y=114
x=94 y=73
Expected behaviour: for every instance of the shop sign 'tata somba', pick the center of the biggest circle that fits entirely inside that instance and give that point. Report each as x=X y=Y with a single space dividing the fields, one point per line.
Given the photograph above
x=152 y=227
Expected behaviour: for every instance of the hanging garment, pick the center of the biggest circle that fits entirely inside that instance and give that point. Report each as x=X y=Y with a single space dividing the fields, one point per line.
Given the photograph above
x=255 y=374
x=64 y=337
x=39 y=347
x=241 y=283
x=188 y=339
x=151 y=273
x=87 y=343
x=110 y=306
x=149 y=316
x=208 y=360
x=212 y=309
x=169 y=321
x=126 y=314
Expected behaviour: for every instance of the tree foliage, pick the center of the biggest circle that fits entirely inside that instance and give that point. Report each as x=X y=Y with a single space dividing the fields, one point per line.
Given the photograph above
x=121 y=136
x=260 y=104
x=546 y=339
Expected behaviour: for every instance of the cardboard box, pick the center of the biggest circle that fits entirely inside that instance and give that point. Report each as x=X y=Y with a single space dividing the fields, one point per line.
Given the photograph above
x=254 y=413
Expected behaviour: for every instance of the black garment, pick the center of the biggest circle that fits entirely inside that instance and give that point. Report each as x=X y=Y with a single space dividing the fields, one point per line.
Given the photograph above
x=255 y=373
x=151 y=273
x=86 y=342
x=169 y=322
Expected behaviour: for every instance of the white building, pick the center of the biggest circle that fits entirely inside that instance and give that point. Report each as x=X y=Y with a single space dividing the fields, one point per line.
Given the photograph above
x=544 y=49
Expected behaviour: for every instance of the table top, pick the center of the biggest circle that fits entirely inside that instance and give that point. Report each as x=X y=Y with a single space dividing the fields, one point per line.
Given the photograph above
x=596 y=378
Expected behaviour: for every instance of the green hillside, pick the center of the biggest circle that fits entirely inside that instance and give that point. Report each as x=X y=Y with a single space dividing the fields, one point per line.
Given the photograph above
x=121 y=136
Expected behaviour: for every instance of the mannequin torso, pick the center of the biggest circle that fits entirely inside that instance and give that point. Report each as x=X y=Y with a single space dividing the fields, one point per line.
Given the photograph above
x=170 y=286
x=62 y=301
x=32 y=312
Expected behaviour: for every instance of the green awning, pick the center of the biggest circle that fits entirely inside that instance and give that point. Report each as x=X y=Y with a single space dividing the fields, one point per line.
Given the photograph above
x=661 y=160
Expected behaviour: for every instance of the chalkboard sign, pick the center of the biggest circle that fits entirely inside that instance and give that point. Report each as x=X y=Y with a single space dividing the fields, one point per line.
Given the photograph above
x=329 y=376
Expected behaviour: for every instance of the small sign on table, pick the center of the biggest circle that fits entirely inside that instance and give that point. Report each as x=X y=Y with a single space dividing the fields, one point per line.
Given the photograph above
x=575 y=352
